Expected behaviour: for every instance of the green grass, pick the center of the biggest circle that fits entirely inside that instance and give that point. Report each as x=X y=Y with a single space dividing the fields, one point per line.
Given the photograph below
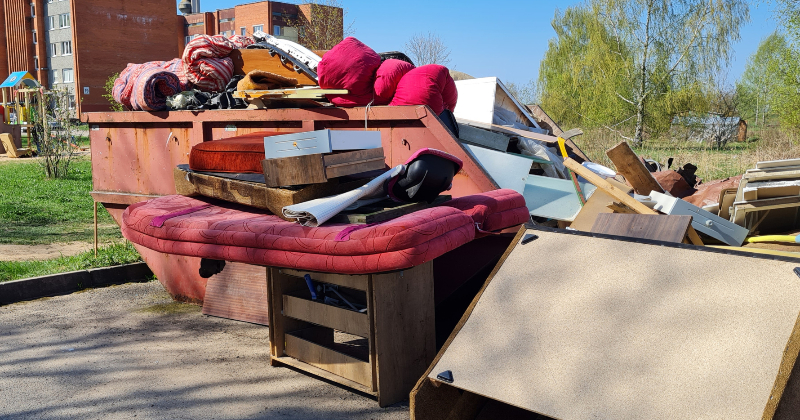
x=37 y=210
x=116 y=254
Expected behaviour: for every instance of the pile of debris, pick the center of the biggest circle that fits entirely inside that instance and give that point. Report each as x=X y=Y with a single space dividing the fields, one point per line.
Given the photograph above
x=350 y=244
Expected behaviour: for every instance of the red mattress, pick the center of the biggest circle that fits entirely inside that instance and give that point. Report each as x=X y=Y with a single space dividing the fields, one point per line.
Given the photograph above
x=226 y=232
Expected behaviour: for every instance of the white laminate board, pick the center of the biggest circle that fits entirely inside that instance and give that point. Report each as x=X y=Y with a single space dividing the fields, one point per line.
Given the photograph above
x=580 y=328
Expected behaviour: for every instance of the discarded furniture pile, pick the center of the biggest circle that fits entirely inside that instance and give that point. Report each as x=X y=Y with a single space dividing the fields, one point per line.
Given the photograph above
x=370 y=212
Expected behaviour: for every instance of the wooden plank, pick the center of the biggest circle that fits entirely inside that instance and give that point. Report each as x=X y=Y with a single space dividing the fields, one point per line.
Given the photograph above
x=552 y=141
x=329 y=360
x=596 y=204
x=404 y=323
x=385 y=210
x=318 y=168
x=120 y=198
x=294 y=170
x=643 y=226
x=722 y=347
x=542 y=116
x=238 y=292
x=355 y=162
x=634 y=171
x=254 y=194
x=294 y=93
x=277 y=285
x=245 y=61
x=326 y=315
x=613 y=191
x=290 y=361
x=427 y=401
x=357 y=282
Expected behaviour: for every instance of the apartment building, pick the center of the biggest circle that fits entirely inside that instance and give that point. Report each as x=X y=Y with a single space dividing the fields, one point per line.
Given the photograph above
x=272 y=17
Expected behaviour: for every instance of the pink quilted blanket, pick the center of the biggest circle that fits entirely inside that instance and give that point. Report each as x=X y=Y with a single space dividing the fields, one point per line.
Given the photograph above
x=206 y=62
x=192 y=227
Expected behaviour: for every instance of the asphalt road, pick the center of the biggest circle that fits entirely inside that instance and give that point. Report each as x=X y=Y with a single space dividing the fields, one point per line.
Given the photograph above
x=130 y=352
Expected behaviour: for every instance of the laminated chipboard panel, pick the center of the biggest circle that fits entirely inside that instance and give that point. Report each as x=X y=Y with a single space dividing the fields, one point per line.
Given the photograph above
x=577 y=326
x=319 y=141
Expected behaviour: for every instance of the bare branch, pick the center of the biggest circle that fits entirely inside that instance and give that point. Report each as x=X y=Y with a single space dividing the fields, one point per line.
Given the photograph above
x=428 y=49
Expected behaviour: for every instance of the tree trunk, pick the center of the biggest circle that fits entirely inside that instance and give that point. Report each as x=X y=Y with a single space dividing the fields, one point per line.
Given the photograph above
x=642 y=94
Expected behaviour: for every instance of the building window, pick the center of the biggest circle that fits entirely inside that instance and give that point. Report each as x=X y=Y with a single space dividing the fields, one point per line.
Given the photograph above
x=67 y=75
x=63 y=20
x=54 y=74
x=188 y=39
x=257 y=28
x=243 y=31
x=71 y=101
x=36 y=62
x=276 y=30
x=66 y=48
x=33 y=10
x=51 y=20
x=53 y=50
x=34 y=36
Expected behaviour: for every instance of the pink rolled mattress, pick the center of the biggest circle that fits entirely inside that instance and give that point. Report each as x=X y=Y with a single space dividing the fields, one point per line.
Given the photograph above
x=212 y=229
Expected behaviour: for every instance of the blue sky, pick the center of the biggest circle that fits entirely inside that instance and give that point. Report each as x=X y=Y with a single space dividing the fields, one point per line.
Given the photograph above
x=503 y=38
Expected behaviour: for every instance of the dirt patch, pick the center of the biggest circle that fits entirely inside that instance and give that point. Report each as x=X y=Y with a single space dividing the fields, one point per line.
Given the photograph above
x=42 y=252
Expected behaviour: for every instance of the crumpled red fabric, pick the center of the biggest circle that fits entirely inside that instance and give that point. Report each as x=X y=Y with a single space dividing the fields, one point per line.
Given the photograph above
x=387 y=77
x=349 y=65
x=429 y=85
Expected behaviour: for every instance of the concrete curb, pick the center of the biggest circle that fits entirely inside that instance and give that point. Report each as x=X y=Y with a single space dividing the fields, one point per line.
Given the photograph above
x=66 y=283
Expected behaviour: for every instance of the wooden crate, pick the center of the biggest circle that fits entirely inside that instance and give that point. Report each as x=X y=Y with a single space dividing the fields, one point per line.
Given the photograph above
x=254 y=194
x=396 y=335
x=320 y=168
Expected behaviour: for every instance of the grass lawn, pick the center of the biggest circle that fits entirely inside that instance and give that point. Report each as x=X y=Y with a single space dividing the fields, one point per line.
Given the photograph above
x=115 y=254
x=37 y=210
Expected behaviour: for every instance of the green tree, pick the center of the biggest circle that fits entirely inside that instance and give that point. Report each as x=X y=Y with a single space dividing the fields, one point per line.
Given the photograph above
x=640 y=60
x=759 y=85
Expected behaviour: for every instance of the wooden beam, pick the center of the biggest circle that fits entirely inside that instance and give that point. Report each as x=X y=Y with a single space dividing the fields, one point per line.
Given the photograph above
x=604 y=185
x=629 y=165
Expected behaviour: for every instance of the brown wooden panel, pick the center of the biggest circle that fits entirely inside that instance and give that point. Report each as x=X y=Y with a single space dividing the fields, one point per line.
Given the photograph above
x=358 y=282
x=326 y=315
x=643 y=226
x=294 y=170
x=404 y=329
x=245 y=61
x=330 y=360
x=238 y=292
x=634 y=171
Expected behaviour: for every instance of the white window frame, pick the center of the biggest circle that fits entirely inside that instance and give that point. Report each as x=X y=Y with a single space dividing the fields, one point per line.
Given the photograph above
x=243 y=31
x=33 y=9
x=36 y=62
x=71 y=78
x=188 y=39
x=65 y=44
x=257 y=28
x=35 y=41
x=54 y=49
x=63 y=20
x=52 y=21
x=55 y=76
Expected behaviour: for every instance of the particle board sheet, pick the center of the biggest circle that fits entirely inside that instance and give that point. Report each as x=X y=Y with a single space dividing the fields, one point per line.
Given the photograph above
x=643 y=226
x=238 y=292
x=582 y=327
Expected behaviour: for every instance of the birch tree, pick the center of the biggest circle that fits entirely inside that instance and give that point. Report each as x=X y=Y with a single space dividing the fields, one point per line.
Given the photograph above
x=673 y=42
x=635 y=63
x=428 y=49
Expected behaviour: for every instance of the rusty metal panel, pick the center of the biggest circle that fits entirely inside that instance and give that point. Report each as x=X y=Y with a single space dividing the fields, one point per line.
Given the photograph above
x=135 y=153
x=239 y=292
